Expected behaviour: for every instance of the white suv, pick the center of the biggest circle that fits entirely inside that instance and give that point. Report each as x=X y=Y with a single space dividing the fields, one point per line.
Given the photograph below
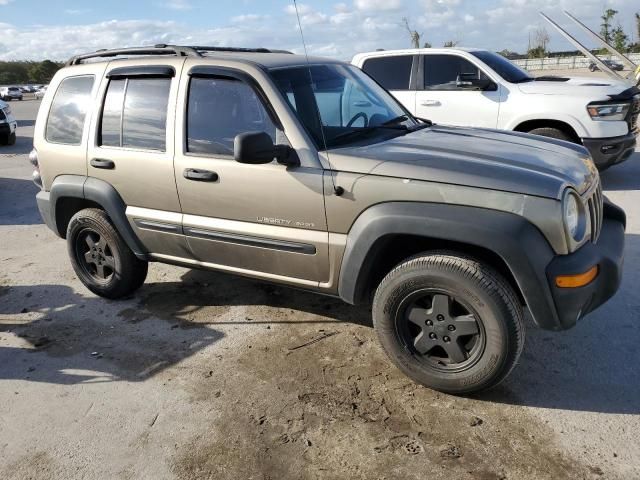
x=478 y=88
x=8 y=125
x=10 y=93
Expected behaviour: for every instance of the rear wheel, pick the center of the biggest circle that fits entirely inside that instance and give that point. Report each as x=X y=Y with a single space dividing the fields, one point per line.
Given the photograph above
x=100 y=257
x=11 y=140
x=449 y=322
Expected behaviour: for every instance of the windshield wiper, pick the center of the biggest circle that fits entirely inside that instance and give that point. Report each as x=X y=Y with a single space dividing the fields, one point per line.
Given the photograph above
x=393 y=121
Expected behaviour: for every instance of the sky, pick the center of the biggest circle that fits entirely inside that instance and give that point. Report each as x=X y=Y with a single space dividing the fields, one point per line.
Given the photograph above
x=39 y=29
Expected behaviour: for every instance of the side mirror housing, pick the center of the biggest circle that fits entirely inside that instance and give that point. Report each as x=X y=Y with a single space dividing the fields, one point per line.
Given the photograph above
x=257 y=148
x=469 y=81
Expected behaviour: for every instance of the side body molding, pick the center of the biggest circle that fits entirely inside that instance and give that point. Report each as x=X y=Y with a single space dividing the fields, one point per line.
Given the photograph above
x=100 y=192
x=517 y=242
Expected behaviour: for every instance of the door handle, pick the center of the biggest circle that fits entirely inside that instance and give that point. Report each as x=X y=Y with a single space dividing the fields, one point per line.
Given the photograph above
x=102 y=163
x=430 y=103
x=200 y=175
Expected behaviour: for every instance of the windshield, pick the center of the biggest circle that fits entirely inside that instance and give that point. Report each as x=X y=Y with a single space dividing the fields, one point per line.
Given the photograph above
x=339 y=105
x=503 y=67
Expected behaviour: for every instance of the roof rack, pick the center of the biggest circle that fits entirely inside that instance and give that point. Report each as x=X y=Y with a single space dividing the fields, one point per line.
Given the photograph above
x=163 y=49
x=238 y=50
x=160 y=49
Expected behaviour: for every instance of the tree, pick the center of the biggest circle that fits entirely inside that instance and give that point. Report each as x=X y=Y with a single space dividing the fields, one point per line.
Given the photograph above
x=539 y=47
x=605 y=30
x=450 y=43
x=638 y=27
x=619 y=38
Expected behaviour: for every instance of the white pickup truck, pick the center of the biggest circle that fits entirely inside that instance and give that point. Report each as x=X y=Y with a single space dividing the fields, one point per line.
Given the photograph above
x=478 y=88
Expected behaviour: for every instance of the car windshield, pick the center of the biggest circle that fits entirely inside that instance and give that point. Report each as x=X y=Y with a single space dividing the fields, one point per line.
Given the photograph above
x=503 y=67
x=14 y=89
x=340 y=105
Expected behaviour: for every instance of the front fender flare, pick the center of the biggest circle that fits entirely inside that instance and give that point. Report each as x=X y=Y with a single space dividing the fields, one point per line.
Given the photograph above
x=516 y=241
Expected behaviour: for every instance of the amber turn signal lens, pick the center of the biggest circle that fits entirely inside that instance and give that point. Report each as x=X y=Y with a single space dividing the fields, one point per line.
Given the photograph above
x=576 y=281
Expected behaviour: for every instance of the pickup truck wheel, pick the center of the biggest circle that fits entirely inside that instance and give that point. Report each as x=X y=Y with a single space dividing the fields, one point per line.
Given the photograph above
x=449 y=322
x=551 y=133
x=100 y=257
x=11 y=139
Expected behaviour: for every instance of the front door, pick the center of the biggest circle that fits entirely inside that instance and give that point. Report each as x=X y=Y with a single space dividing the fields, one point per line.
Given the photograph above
x=441 y=100
x=261 y=220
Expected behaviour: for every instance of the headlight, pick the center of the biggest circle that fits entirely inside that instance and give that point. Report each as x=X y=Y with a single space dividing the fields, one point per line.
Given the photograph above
x=574 y=214
x=608 y=111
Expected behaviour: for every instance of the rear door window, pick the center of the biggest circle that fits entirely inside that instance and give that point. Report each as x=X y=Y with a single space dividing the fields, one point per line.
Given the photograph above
x=441 y=72
x=393 y=73
x=134 y=114
x=69 y=110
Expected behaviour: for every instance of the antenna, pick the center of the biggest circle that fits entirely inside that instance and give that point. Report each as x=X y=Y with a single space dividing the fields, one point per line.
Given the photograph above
x=339 y=191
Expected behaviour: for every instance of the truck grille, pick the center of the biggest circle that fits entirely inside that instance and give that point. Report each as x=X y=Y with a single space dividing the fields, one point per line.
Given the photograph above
x=595 y=211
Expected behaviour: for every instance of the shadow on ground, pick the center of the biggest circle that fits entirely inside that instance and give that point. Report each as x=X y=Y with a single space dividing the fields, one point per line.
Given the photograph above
x=18 y=202
x=625 y=176
x=22 y=146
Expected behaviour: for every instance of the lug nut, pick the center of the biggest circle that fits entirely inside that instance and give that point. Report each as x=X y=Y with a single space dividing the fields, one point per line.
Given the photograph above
x=451 y=328
x=440 y=318
x=447 y=339
x=432 y=336
x=429 y=323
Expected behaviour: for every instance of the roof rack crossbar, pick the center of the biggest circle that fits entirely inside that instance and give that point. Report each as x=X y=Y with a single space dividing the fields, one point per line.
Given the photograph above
x=160 y=49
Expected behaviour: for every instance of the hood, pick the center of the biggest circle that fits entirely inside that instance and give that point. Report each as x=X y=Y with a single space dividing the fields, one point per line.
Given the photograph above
x=491 y=159
x=593 y=87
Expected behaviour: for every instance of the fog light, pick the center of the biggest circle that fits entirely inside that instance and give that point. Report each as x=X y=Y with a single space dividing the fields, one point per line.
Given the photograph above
x=608 y=148
x=577 y=281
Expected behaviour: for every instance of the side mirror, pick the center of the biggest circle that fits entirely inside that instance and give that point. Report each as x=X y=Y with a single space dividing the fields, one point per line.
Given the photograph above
x=257 y=148
x=469 y=81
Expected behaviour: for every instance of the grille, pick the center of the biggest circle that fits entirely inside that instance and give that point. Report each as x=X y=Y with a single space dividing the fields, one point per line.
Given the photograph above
x=634 y=113
x=595 y=208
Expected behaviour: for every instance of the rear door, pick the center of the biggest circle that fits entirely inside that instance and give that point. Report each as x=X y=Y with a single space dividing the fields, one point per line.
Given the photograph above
x=396 y=73
x=132 y=148
x=440 y=100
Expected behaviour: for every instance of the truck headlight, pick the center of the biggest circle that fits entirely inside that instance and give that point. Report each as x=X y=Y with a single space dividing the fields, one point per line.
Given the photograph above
x=608 y=111
x=575 y=218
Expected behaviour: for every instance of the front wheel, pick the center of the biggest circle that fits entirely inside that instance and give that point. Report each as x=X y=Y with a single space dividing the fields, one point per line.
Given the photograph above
x=449 y=322
x=101 y=258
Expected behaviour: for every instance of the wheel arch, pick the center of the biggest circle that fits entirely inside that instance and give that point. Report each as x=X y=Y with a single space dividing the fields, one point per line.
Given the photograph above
x=385 y=234
x=71 y=193
x=564 y=126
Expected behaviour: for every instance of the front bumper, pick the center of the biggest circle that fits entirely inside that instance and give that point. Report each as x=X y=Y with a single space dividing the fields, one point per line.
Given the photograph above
x=572 y=304
x=609 y=151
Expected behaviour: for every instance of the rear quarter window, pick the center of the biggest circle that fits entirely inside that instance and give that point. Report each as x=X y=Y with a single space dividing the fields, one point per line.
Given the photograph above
x=68 y=113
x=393 y=73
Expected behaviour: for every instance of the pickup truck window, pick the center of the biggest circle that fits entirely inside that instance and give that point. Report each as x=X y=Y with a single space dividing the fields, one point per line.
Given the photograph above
x=392 y=72
x=503 y=67
x=441 y=72
x=339 y=104
x=218 y=110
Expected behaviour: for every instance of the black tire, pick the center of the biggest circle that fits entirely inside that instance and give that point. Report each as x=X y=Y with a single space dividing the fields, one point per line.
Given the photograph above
x=11 y=140
x=4 y=140
x=474 y=292
x=552 y=133
x=100 y=257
